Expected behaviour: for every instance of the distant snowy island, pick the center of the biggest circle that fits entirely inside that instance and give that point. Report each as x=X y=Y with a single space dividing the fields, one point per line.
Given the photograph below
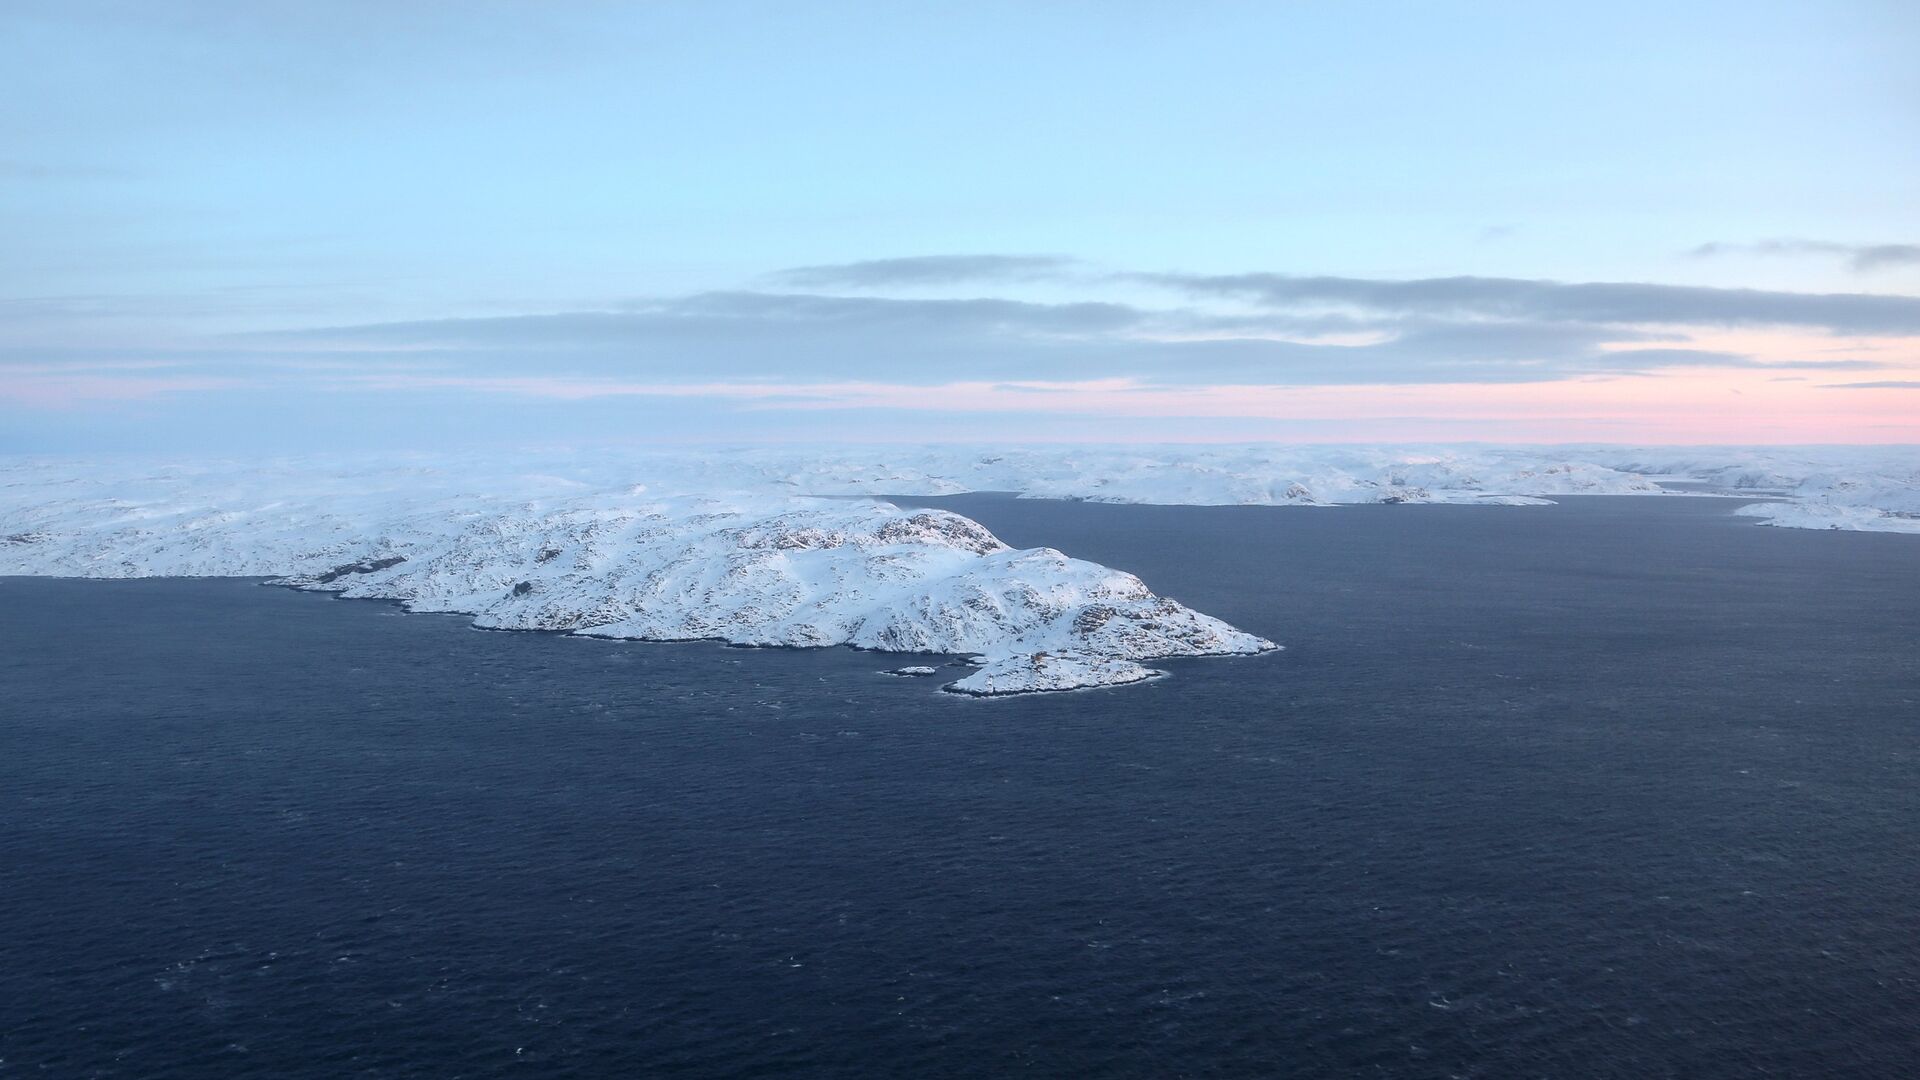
x=765 y=546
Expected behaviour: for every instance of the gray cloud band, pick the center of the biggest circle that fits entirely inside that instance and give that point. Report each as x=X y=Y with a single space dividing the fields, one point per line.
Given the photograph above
x=1862 y=258
x=1596 y=302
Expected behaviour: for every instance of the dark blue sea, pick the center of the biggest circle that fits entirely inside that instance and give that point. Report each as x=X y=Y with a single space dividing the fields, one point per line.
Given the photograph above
x=1622 y=787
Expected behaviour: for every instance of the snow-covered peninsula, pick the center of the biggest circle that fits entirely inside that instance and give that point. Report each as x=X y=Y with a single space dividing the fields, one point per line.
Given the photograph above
x=748 y=569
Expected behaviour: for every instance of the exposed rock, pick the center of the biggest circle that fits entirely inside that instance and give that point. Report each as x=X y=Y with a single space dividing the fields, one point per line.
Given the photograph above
x=367 y=566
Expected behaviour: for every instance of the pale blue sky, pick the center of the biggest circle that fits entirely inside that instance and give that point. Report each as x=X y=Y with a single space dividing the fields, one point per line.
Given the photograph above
x=174 y=175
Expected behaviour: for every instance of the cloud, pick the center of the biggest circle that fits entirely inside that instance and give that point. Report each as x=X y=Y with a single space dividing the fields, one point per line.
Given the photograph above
x=1275 y=331
x=753 y=336
x=781 y=336
x=953 y=316
x=1883 y=384
x=1804 y=365
x=763 y=319
x=1877 y=256
x=924 y=270
x=1861 y=258
x=1610 y=303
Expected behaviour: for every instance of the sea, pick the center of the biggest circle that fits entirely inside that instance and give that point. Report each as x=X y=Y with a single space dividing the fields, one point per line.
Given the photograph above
x=1619 y=787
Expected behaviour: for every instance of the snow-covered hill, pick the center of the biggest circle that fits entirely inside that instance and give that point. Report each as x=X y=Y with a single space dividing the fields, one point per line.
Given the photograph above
x=752 y=570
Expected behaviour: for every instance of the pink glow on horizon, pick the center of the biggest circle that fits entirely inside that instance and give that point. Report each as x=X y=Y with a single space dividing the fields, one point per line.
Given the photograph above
x=1679 y=405
x=1684 y=406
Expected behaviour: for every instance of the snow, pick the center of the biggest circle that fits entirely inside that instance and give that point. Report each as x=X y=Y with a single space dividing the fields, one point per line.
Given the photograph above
x=791 y=546
x=750 y=569
x=1044 y=671
x=1886 y=478
x=1852 y=488
x=1837 y=516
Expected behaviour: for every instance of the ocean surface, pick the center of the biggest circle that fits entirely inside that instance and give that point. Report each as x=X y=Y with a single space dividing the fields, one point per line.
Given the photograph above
x=1623 y=787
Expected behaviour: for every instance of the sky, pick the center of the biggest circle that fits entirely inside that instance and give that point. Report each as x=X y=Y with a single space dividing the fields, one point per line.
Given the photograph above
x=253 y=228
